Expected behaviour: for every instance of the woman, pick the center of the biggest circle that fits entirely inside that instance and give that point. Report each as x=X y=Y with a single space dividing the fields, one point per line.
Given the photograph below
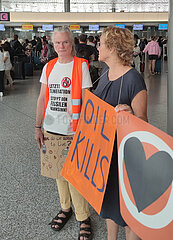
x=8 y=66
x=136 y=55
x=2 y=68
x=124 y=88
x=44 y=52
x=153 y=50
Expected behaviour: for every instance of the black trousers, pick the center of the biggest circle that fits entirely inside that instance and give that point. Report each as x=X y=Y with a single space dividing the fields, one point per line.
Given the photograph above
x=2 y=81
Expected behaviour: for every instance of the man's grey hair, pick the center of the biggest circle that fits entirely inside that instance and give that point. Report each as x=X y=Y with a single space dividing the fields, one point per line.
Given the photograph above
x=67 y=30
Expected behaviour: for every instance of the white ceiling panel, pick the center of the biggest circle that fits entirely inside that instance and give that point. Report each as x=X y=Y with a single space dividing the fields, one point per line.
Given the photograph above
x=86 y=5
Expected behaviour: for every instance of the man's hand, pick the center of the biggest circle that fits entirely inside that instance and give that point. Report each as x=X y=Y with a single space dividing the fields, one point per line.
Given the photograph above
x=39 y=137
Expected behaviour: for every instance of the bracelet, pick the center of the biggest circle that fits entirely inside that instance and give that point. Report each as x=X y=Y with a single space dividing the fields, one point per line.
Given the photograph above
x=37 y=127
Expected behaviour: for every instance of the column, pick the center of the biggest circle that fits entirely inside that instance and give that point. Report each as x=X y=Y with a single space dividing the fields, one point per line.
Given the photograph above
x=66 y=5
x=170 y=70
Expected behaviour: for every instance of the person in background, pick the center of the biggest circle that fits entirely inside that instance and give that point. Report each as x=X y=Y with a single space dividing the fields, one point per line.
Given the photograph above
x=76 y=41
x=8 y=67
x=33 y=41
x=154 y=52
x=65 y=77
x=82 y=48
x=136 y=54
x=44 y=52
x=17 y=48
x=122 y=87
x=8 y=47
x=38 y=47
x=25 y=44
x=91 y=41
x=2 y=70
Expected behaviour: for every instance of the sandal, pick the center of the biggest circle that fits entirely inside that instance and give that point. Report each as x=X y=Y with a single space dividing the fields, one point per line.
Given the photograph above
x=63 y=219
x=88 y=234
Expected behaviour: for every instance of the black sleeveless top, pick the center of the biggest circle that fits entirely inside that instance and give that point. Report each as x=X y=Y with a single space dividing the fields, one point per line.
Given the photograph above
x=108 y=91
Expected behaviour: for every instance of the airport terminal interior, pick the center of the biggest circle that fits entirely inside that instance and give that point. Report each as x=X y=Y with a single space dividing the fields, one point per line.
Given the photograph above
x=28 y=201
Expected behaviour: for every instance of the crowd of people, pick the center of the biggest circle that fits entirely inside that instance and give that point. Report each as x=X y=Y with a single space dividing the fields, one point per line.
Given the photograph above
x=154 y=49
x=40 y=51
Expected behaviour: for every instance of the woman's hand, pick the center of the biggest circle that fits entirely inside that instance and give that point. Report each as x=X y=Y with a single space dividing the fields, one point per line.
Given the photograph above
x=123 y=107
x=39 y=137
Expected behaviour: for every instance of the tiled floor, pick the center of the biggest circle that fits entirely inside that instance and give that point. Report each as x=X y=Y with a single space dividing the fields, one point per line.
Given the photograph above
x=28 y=201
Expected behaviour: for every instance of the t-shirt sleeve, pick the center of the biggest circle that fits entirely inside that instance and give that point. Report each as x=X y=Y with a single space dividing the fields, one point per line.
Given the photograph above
x=6 y=54
x=43 y=75
x=135 y=84
x=86 y=79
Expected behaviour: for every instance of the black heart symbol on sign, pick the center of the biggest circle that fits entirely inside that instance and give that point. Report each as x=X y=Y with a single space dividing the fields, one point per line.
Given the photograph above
x=149 y=179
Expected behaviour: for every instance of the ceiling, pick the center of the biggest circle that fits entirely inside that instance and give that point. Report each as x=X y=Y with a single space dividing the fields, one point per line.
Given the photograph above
x=85 y=5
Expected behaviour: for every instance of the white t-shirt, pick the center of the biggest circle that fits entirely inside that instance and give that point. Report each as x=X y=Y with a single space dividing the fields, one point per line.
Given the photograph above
x=58 y=117
x=2 y=65
x=8 y=65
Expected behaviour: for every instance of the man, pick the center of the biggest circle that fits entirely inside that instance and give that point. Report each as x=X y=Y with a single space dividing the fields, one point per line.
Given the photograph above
x=84 y=50
x=16 y=46
x=91 y=41
x=59 y=79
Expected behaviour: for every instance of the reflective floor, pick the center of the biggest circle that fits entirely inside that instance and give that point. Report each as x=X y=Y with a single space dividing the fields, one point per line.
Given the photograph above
x=28 y=201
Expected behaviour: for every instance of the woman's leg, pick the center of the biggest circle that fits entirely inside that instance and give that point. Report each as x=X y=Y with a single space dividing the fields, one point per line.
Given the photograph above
x=1 y=82
x=149 y=66
x=130 y=235
x=112 y=229
x=153 y=65
x=8 y=76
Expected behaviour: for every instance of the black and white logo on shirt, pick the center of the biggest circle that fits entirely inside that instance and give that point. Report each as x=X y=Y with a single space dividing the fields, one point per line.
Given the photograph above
x=66 y=82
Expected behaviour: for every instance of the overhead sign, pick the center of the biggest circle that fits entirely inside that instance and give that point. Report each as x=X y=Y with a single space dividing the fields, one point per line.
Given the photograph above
x=4 y=16
x=137 y=27
x=74 y=27
x=145 y=158
x=2 y=27
x=27 y=26
x=93 y=27
x=163 y=26
x=88 y=161
x=47 y=27
x=120 y=25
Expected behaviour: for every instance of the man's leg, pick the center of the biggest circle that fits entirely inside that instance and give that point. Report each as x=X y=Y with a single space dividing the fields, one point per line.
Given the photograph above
x=65 y=200
x=82 y=211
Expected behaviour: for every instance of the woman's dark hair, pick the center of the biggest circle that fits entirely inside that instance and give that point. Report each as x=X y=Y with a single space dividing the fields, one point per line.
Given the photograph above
x=76 y=41
x=5 y=47
x=38 y=39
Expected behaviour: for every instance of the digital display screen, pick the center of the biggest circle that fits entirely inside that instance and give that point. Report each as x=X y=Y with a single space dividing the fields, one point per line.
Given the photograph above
x=163 y=26
x=120 y=25
x=47 y=27
x=2 y=27
x=137 y=26
x=93 y=27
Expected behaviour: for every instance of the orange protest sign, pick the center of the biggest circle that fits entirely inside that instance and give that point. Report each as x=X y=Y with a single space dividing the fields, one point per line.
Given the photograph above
x=88 y=161
x=145 y=159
